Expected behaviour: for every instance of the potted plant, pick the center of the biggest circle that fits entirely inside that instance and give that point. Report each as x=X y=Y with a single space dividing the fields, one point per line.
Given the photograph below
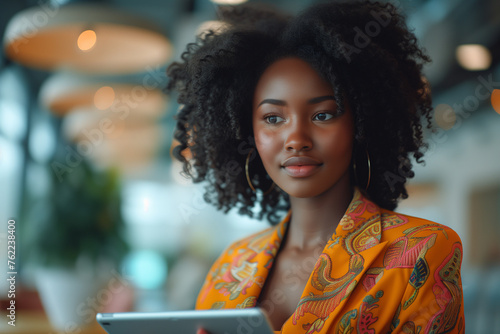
x=75 y=240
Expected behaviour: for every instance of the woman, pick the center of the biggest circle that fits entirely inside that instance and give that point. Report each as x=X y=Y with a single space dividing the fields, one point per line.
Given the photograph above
x=315 y=118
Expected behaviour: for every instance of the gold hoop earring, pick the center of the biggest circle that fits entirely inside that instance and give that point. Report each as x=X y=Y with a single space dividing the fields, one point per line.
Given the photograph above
x=248 y=175
x=369 y=164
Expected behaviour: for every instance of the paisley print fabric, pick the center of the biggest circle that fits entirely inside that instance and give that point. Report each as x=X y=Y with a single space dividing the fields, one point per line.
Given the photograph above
x=381 y=272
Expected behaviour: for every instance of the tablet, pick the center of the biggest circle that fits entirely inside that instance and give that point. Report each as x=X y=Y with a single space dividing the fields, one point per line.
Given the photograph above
x=233 y=321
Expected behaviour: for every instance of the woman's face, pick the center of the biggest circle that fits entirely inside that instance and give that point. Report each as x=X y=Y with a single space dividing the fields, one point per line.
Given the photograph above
x=304 y=142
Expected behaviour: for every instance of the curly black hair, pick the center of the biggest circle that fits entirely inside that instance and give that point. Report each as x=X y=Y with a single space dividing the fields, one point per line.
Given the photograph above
x=363 y=48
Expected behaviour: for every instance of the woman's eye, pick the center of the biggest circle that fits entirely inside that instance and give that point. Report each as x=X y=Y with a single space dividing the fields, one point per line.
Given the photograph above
x=323 y=116
x=273 y=119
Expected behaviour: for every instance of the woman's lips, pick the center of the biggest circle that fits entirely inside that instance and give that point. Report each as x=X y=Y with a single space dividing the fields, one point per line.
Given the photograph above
x=301 y=171
x=301 y=166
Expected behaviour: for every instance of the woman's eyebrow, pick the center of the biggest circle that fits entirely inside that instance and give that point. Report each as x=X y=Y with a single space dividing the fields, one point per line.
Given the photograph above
x=314 y=100
x=319 y=99
x=272 y=101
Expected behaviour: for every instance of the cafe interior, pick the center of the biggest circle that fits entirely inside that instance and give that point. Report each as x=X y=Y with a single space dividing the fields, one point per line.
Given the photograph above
x=86 y=127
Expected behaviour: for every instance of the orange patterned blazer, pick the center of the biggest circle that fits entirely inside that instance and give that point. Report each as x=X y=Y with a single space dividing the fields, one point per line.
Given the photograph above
x=380 y=272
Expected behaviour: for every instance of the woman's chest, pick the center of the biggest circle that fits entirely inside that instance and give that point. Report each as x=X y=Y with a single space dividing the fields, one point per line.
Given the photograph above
x=285 y=284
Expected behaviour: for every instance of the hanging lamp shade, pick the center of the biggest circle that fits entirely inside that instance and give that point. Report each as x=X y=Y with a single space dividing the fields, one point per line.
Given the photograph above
x=108 y=141
x=64 y=92
x=87 y=38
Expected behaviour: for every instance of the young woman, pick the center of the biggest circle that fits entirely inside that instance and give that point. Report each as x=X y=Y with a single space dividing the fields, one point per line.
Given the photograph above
x=313 y=119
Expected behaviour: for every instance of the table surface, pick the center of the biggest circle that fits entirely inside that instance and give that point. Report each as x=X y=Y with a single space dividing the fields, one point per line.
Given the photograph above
x=36 y=322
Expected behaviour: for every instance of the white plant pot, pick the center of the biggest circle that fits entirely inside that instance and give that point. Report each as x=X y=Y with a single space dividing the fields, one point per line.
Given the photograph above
x=69 y=295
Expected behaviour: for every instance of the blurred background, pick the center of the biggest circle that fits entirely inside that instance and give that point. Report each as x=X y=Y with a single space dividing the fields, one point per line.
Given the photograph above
x=102 y=217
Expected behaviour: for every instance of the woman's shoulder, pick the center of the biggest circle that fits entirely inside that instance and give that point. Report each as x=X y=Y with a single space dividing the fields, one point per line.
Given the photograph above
x=259 y=240
x=256 y=241
x=397 y=225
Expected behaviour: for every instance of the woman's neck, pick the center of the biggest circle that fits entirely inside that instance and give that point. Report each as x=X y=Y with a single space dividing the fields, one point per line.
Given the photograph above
x=315 y=219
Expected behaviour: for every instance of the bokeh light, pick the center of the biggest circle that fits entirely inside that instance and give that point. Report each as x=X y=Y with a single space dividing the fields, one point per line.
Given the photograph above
x=445 y=116
x=146 y=268
x=145 y=202
x=87 y=40
x=473 y=57
x=495 y=100
x=104 y=97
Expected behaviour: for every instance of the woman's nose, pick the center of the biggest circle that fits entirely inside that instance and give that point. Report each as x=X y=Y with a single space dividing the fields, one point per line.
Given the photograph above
x=298 y=138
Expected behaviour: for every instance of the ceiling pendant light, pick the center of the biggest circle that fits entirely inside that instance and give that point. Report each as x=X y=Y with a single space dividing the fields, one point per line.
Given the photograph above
x=64 y=91
x=87 y=38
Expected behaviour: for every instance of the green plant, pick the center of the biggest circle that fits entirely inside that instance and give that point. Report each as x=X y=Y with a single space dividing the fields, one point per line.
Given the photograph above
x=81 y=216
